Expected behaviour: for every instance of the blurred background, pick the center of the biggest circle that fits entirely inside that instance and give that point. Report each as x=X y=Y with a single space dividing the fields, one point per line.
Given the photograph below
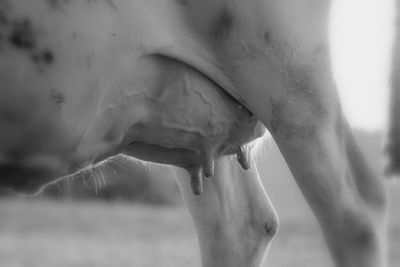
x=129 y=214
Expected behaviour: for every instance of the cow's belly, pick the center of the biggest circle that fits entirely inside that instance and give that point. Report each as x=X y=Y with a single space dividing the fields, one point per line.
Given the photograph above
x=180 y=117
x=74 y=92
x=166 y=112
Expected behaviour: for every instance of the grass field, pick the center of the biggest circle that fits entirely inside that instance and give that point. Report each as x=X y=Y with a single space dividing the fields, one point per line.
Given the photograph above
x=44 y=233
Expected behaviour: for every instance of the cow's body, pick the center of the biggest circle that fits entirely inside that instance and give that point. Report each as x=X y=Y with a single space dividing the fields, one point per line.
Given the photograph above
x=84 y=80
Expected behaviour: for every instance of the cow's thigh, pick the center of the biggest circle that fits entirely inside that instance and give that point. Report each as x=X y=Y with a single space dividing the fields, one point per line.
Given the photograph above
x=347 y=198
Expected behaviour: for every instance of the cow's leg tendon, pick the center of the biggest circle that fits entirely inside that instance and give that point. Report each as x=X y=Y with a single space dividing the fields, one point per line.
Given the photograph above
x=346 y=197
x=234 y=218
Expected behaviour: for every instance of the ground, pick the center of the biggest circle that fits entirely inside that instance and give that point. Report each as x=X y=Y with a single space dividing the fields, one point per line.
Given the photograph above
x=48 y=233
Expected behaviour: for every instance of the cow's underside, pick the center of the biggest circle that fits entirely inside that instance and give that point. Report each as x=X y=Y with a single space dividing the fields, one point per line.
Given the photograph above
x=171 y=114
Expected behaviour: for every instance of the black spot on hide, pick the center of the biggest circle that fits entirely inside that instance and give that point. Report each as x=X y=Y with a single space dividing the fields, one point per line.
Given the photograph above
x=223 y=25
x=57 y=97
x=22 y=35
x=184 y=3
x=44 y=57
x=270 y=229
x=267 y=37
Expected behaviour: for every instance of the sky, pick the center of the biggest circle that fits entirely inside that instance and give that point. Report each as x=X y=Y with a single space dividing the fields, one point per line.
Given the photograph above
x=361 y=40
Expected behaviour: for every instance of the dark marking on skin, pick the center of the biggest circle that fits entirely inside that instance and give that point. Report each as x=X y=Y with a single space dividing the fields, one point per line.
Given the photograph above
x=23 y=35
x=57 y=97
x=223 y=25
x=267 y=37
x=53 y=3
x=270 y=229
x=365 y=237
x=359 y=229
x=112 y=4
x=184 y=3
x=44 y=57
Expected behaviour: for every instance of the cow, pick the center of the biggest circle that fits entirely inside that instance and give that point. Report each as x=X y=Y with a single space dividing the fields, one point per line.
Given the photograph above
x=190 y=83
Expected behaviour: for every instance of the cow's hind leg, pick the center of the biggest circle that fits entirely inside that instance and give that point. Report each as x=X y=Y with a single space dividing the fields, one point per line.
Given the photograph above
x=234 y=219
x=347 y=198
